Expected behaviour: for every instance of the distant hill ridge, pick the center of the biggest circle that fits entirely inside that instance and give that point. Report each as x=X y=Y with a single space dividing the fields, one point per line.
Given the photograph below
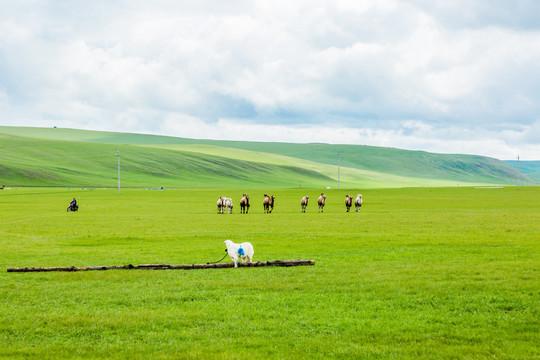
x=70 y=157
x=529 y=168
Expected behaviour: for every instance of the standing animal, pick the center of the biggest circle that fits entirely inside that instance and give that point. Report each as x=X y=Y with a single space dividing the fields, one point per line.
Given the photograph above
x=348 y=202
x=268 y=203
x=229 y=205
x=304 y=203
x=358 y=202
x=244 y=204
x=242 y=251
x=321 y=201
x=221 y=205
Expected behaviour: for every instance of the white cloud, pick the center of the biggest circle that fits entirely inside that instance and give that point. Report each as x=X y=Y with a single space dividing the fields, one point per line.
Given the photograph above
x=464 y=71
x=412 y=135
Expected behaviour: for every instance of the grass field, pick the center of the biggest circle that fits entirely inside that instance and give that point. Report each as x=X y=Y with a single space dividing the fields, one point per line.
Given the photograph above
x=419 y=273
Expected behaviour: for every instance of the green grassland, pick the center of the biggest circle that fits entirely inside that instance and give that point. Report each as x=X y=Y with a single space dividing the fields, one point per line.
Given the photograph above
x=68 y=157
x=418 y=273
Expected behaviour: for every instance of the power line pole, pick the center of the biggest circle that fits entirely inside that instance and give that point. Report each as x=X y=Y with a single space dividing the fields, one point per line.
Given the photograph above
x=338 y=166
x=118 y=172
x=518 y=173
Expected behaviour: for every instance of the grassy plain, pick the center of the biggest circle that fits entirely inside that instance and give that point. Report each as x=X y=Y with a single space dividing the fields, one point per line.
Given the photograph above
x=419 y=273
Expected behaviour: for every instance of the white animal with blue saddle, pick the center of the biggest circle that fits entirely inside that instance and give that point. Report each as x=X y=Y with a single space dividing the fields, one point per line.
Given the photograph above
x=242 y=251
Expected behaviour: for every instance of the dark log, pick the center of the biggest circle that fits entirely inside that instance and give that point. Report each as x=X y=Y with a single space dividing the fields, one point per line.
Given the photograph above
x=154 y=266
x=167 y=266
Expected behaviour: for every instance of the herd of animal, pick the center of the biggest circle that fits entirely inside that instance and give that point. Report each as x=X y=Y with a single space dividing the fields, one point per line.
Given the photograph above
x=226 y=204
x=244 y=252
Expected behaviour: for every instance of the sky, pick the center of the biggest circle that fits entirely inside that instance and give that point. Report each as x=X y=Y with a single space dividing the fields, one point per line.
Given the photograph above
x=444 y=76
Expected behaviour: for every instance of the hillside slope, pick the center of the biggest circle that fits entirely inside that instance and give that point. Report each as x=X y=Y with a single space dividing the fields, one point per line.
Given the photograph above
x=161 y=160
x=529 y=168
x=37 y=162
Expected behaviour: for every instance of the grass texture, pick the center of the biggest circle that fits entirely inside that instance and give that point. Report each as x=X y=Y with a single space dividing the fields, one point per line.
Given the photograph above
x=418 y=273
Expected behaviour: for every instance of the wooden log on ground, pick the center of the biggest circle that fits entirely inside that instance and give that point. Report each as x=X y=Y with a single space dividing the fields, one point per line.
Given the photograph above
x=286 y=263
x=154 y=266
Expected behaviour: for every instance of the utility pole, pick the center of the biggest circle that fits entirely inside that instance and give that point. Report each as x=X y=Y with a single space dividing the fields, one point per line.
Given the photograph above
x=338 y=165
x=118 y=172
x=518 y=173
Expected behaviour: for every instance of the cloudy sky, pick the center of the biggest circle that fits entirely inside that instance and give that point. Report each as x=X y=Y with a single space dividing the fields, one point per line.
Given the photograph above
x=448 y=76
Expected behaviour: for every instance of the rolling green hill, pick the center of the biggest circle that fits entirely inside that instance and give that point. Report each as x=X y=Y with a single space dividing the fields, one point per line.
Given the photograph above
x=69 y=157
x=37 y=162
x=528 y=168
